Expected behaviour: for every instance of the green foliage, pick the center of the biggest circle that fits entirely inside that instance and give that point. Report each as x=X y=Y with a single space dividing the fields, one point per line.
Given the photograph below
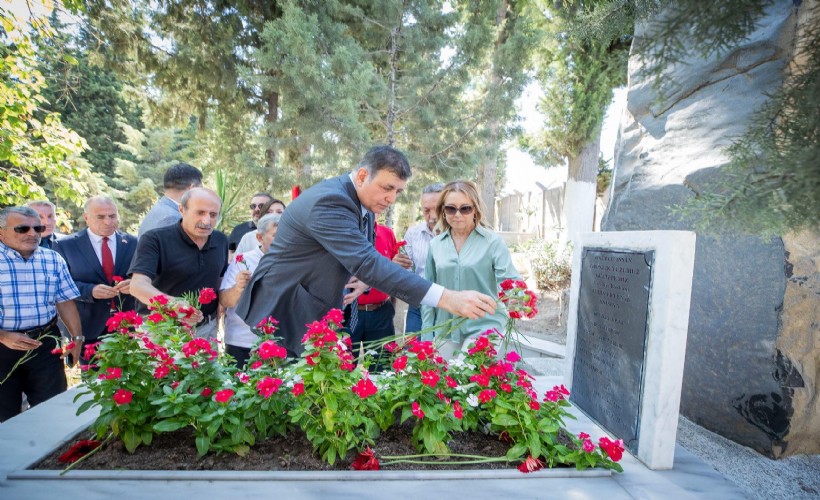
x=552 y=269
x=33 y=150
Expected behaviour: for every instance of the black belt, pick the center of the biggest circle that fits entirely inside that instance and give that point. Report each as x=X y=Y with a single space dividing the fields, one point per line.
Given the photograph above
x=39 y=330
x=371 y=307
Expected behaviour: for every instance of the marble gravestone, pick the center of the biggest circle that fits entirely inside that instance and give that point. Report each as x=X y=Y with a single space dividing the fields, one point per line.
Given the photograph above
x=626 y=335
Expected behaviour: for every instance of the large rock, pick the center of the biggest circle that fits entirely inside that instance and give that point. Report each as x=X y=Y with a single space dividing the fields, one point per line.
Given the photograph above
x=752 y=368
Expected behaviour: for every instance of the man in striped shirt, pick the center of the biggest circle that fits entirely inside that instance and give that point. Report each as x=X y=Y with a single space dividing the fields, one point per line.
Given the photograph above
x=418 y=243
x=35 y=286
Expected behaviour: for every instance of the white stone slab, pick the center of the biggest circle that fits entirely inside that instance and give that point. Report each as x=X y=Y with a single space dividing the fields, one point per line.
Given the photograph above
x=668 y=322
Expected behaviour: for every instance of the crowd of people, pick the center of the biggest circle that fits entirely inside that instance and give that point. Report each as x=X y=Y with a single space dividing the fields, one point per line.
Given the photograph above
x=326 y=250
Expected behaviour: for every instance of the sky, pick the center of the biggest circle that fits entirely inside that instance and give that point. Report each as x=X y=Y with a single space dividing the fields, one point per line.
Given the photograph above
x=522 y=172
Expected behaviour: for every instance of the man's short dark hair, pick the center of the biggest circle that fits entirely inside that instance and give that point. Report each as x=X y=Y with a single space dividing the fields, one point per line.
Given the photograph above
x=182 y=176
x=386 y=158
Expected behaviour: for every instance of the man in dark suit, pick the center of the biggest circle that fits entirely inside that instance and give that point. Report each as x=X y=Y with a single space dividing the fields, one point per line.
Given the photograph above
x=322 y=242
x=95 y=256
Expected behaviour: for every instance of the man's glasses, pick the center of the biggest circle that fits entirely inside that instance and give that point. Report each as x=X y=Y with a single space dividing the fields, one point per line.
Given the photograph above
x=254 y=206
x=25 y=229
x=464 y=209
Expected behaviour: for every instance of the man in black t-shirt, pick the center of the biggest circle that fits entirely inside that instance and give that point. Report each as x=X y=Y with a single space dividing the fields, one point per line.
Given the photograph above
x=184 y=257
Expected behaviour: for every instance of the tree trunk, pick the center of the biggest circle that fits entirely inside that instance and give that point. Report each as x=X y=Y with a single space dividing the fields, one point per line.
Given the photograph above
x=580 y=193
x=271 y=116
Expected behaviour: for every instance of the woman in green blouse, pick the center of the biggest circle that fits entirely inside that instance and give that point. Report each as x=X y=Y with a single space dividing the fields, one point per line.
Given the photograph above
x=467 y=255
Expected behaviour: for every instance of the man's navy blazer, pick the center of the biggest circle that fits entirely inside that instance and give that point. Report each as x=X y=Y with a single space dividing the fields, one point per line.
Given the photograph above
x=87 y=273
x=319 y=245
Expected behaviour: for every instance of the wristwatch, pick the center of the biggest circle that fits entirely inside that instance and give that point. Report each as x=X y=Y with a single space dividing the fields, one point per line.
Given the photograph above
x=78 y=338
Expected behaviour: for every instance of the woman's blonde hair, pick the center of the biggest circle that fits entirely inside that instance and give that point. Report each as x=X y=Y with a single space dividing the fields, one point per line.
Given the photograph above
x=469 y=189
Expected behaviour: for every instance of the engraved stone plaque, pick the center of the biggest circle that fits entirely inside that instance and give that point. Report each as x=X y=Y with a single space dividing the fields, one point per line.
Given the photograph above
x=609 y=361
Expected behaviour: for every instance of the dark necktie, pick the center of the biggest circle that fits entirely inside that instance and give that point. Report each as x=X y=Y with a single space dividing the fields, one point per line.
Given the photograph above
x=354 y=306
x=107 y=262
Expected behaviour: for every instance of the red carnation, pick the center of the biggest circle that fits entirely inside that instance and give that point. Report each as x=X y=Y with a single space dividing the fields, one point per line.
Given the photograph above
x=206 y=296
x=531 y=464
x=417 y=411
x=401 y=243
x=78 y=450
x=298 y=389
x=364 y=388
x=400 y=363
x=240 y=258
x=366 y=460
x=116 y=279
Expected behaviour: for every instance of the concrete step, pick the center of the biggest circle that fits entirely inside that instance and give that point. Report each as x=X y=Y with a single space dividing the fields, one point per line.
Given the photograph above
x=533 y=347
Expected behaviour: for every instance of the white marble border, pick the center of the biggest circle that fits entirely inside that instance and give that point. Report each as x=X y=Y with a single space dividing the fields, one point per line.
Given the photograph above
x=668 y=323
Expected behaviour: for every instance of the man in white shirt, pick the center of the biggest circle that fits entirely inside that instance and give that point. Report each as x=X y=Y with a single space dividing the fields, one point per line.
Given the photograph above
x=238 y=336
x=418 y=243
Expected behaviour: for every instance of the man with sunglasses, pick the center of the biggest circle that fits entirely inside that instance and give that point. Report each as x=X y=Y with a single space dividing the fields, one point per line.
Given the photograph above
x=35 y=286
x=258 y=201
x=176 y=182
x=322 y=242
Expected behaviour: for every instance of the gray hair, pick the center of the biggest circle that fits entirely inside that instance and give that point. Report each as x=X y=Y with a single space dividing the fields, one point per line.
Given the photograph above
x=26 y=211
x=433 y=188
x=41 y=203
x=267 y=221
x=386 y=158
x=194 y=191
x=101 y=198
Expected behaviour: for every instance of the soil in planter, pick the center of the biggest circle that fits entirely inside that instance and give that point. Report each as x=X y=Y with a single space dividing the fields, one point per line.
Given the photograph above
x=176 y=451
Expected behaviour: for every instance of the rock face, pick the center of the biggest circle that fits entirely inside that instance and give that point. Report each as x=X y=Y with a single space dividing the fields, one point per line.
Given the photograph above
x=753 y=352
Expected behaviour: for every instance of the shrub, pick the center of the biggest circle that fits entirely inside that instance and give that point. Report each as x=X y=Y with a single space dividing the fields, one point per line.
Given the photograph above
x=552 y=270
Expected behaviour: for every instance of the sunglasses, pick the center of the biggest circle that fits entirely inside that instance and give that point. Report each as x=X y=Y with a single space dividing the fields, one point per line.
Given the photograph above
x=254 y=206
x=26 y=229
x=464 y=209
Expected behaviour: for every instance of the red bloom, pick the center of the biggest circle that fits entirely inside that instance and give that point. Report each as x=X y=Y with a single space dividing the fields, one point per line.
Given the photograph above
x=159 y=300
x=451 y=382
x=401 y=243
x=364 y=388
x=458 y=411
x=583 y=435
x=89 y=350
x=206 y=296
x=123 y=320
x=429 y=378
x=298 y=389
x=240 y=258
x=614 y=449
x=206 y=392
x=535 y=405
x=588 y=446
x=270 y=349
x=507 y=284
x=78 y=450
x=311 y=358
x=391 y=346
x=161 y=371
x=267 y=386
x=224 y=395
x=155 y=317
x=366 y=460
x=531 y=464
x=334 y=316
x=487 y=395
x=400 y=363
x=513 y=357
x=57 y=351
x=116 y=279
x=483 y=380
x=243 y=377
x=123 y=396
x=505 y=387
x=417 y=411
x=267 y=325
x=256 y=365
x=111 y=373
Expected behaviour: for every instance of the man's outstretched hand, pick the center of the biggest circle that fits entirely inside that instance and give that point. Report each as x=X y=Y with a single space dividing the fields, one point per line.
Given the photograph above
x=467 y=303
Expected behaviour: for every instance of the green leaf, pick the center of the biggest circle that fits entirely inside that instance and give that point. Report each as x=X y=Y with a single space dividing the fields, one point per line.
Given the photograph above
x=504 y=419
x=85 y=406
x=517 y=451
x=203 y=444
x=168 y=425
x=131 y=440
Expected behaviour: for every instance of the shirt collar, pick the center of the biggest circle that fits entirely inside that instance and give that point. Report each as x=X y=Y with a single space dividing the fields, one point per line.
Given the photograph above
x=364 y=210
x=96 y=238
x=479 y=229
